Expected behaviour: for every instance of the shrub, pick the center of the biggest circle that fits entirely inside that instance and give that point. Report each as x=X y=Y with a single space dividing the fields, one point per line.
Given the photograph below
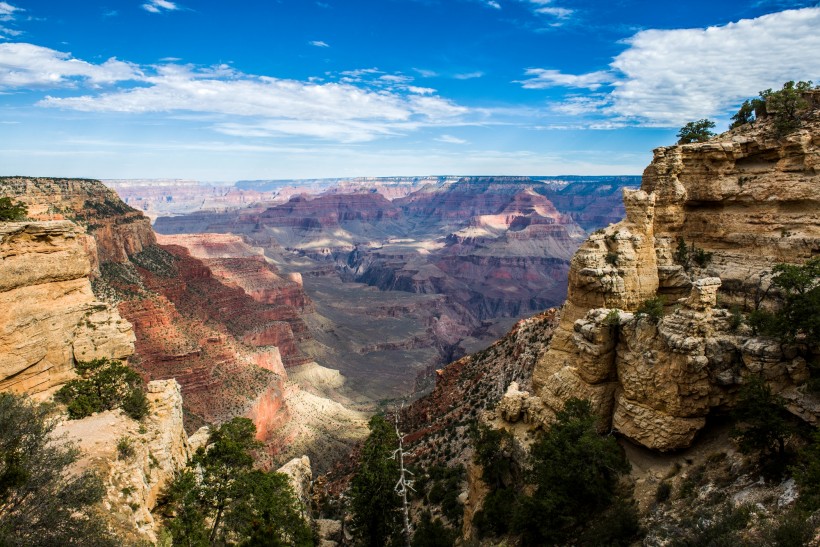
x=699 y=131
x=220 y=499
x=104 y=385
x=762 y=426
x=701 y=257
x=681 y=255
x=652 y=308
x=735 y=318
x=125 y=448
x=12 y=210
x=611 y=259
x=663 y=492
x=613 y=318
x=432 y=533
x=746 y=113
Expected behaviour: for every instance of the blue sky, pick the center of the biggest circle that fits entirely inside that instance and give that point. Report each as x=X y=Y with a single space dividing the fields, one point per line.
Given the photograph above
x=216 y=90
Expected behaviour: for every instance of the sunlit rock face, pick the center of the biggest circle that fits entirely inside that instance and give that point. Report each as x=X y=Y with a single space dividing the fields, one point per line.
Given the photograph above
x=49 y=316
x=751 y=200
x=133 y=484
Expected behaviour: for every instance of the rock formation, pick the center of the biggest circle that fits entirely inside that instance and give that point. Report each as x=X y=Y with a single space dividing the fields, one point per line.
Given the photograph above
x=133 y=482
x=118 y=230
x=49 y=316
x=742 y=202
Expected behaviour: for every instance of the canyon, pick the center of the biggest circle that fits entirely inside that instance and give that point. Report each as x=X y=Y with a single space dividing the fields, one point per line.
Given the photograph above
x=455 y=261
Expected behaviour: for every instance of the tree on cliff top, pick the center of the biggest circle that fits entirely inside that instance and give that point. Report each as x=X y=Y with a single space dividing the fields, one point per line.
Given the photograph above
x=699 y=131
x=786 y=107
x=221 y=500
x=41 y=502
x=12 y=210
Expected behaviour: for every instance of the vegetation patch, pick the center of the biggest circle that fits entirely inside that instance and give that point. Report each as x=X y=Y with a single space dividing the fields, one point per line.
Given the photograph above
x=10 y=210
x=104 y=385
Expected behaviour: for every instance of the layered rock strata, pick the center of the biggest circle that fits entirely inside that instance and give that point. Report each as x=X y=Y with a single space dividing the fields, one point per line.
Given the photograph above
x=741 y=203
x=49 y=317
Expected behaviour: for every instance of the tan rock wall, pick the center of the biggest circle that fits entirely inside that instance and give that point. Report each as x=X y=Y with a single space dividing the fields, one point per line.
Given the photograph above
x=751 y=200
x=49 y=318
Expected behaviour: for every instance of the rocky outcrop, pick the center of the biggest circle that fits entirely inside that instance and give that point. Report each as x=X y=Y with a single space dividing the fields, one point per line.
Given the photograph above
x=49 y=317
x=119 y=231
x=133 y=482
x=741 y=202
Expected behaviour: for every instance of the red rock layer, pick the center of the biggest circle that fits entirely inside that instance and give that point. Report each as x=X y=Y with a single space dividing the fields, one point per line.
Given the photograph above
x=197 y=293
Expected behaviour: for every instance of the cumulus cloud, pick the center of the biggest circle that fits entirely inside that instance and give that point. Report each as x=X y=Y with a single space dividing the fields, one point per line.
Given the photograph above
x=26 y=66
x=248 y=105
x=158 y=6
x=668 y=77
x=318 y=43
x=492 y=4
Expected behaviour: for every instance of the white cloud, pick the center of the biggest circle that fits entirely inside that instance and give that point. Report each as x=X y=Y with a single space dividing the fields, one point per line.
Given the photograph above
x=492 y=4
x=157 y=6
x=26 y=65
x=247 y=105
x=544 y=78
x=451 y=139
x=424 y=73
x=7 y=11
x=578 y=105
x=668 y=77
x=559 y=15
x=7 y=14
x=318 y=43
x=468 y=75
x=420 y=90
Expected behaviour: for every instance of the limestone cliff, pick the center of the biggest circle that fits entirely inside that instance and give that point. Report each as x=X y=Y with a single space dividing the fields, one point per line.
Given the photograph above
x=118 y=230
x=743 y=201
x=133 y=482
x=49 y=317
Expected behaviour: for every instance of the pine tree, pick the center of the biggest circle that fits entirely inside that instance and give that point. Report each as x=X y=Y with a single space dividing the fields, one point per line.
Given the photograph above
x=375 y=503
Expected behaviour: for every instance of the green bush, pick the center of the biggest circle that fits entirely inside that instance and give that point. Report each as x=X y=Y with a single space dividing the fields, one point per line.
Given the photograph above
x=652 y=308
x=12 y=210
x=746 y=113
x=432 y=533
x=221 y=500
x=125 y=448
x=787 y=106
x=611 y=259
x=663 y=492
x=104 y=385
x=762 y=427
